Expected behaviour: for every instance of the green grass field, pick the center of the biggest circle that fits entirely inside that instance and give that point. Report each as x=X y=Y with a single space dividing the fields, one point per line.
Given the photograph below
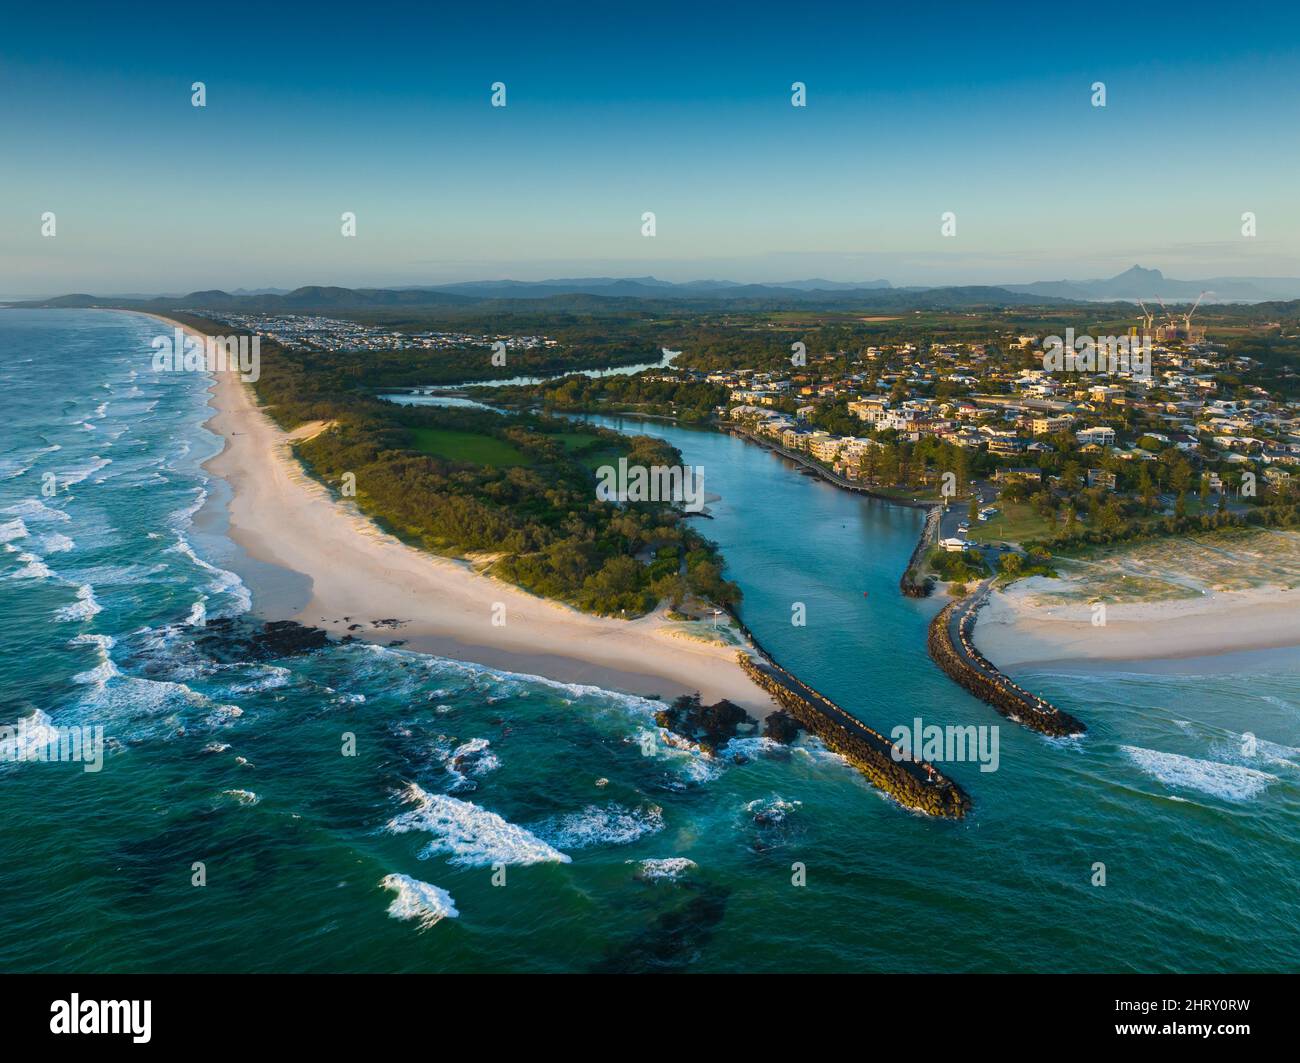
x=1017 y=522
x=909 y=494
x=601 y=452
x=572 y=441
x=466 y=446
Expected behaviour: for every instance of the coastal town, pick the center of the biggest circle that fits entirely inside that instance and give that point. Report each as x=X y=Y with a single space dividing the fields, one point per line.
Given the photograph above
x=1069 y=452
x=316 y=332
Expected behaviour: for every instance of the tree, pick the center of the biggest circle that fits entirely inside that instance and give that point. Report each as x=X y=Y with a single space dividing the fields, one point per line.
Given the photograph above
x=1147 y=488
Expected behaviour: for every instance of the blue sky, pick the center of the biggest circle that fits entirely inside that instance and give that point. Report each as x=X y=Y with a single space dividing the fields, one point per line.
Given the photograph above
x=384 y=110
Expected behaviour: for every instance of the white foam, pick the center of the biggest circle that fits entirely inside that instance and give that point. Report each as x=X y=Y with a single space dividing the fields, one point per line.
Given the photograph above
x=1229 y=781
x=13 y=467
x=26 y=742
x=595 y=825
x=773 y=809
x=1275 y=753
x=55 y=543
x=198 y=614
x=244 y=797
x=82 y=472
x=471 y=836
x=105 y=670
x=84 y=608
x=751 y=746
x=183 y=517
x=508 y=684
x=13 y=529
x=666 y=869
x=115 y=693
x=104 y=642
x=113 y=575
x=224 y=582
x=469 y=758
x=34 y=567
x=271 y=677
x=689 y=760
x=424 y=902
x=36 y=511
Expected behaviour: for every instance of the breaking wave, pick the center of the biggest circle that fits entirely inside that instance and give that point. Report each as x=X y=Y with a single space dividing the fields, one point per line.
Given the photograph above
x=470 y=836
x=424 y=902
x=1231 y=782
x=595 y=825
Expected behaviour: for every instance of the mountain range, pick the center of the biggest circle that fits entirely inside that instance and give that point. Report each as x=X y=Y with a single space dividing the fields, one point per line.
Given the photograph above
x=1149 y=285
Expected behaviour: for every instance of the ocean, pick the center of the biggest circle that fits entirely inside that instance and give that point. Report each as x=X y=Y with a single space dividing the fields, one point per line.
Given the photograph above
x=366 y=808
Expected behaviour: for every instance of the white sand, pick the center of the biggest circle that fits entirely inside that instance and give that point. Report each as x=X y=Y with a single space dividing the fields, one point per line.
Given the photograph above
x=1014 y=630
x=358 y=574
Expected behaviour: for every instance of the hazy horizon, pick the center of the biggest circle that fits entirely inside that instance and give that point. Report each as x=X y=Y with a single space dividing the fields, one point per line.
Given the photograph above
x=608 y=115
x=576 y=277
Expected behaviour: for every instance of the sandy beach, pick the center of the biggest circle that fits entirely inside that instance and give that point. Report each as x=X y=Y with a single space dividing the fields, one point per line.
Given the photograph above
x=324 y=563
x=1027 y=625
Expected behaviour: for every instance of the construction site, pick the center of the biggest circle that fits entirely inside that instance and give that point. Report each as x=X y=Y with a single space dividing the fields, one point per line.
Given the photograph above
x=1173 y=326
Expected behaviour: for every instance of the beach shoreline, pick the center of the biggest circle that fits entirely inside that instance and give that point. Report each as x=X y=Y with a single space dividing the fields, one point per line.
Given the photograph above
x=1016 y=630
x=325 y=564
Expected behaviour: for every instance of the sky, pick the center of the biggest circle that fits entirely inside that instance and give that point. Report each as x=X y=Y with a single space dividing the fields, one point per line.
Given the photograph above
x=613 y=110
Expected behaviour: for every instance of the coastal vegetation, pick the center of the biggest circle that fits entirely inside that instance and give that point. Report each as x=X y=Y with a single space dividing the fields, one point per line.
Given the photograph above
x=516 y=491
x=966 y=566
x=686 y=400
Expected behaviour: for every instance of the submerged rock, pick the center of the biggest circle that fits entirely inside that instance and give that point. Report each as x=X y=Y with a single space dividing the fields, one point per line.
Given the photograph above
x=232 y=639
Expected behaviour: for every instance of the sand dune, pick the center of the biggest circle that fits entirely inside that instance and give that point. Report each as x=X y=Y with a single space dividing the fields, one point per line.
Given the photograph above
x=1016 y=629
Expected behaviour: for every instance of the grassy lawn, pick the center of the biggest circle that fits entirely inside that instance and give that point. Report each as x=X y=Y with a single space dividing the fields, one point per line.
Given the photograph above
x=907 y=494
x=572 y=441
x=1017 y=522
x=466 y=446
x=576 y=444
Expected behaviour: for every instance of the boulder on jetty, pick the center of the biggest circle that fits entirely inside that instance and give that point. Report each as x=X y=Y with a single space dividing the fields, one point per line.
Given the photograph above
x=781 y=727
x=913 y=784
x=971 y=669
x=709 y=726
x=913 y=584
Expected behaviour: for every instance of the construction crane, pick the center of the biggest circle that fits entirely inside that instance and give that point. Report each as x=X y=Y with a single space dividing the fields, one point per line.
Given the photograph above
x=1187 y=318
x=1188 y=334
x=1147 y=315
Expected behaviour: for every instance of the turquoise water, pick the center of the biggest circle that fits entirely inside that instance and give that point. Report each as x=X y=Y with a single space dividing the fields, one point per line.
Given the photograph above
x=108 y=593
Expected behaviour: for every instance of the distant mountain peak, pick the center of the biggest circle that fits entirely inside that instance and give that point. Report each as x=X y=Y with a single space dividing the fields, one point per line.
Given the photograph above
x=1136 y=272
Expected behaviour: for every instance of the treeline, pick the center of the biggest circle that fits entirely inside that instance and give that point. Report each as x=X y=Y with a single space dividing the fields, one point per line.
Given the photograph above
x=1114 y=529
x=899 y=463
x=686 y=400
x=541 y=520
